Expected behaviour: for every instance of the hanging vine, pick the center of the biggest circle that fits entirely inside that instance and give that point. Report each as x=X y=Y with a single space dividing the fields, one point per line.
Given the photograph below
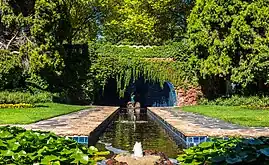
x=125 y=63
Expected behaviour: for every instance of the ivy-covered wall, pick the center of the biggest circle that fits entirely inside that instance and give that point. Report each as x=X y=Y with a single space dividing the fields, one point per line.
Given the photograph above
x=189 y=96
x=128 y=63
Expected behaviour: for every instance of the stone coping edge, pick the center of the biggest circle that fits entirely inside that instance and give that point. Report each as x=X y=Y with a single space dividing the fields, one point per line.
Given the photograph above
x=179 y=137
x=94 y=135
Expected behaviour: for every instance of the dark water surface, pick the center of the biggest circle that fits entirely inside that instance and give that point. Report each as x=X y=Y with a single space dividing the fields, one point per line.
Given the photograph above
x=123 y=132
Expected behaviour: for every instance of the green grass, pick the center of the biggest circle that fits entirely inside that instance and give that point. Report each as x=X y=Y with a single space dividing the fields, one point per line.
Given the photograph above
x=233 y=114
x=30 y=115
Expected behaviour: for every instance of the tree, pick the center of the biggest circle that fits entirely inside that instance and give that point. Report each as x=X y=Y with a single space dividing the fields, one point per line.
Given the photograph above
x=231 y=39
x=143 y=22
x=34 y=34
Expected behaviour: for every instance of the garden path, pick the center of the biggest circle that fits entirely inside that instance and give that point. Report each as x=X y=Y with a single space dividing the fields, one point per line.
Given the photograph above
x=79 y=123
x=191 y=124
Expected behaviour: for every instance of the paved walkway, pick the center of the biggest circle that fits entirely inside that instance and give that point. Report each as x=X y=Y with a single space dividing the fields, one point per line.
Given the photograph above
x=191 y=124
x=79 y=123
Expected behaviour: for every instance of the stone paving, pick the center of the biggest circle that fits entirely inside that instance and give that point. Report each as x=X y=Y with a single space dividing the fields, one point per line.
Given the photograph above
x=191 y=124
x=79 y=123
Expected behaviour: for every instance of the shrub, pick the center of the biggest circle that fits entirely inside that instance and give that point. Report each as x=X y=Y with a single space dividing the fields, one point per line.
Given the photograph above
x=232 y=151
x=20 y=97
x=23 y=105
x=249 y=102
x=11 y=71
x=19 y=146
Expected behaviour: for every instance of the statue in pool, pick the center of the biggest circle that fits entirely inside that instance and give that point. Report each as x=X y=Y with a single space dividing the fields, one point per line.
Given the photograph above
x=133 y=105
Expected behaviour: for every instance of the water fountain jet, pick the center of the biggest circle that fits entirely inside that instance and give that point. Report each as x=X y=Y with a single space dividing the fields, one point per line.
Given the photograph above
x=138 y=151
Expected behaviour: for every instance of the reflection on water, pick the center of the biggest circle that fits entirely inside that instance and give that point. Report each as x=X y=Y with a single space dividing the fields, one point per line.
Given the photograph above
x=124 y=132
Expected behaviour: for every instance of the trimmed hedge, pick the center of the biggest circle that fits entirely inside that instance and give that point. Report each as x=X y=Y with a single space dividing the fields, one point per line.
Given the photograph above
x=250 y=102
x=24 y=97
x=20 y=146
x=225 y=152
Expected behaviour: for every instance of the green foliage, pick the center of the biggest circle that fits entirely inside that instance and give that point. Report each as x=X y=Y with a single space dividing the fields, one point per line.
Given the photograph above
x=75 y=73
x=248 y=102
x=241 y=115
x=42 y=30
x=225 y=40
x=24 y=97
x=143 y=22
x=126 y=64
x=232 y=151
x=35 y=33
x=231 y=39
x=40 y=111
x=23 y=147
x=128 y=51
x=11 y=71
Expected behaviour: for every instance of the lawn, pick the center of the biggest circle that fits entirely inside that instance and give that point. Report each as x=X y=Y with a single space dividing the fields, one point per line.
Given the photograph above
x=233 y=114
x=30 y=115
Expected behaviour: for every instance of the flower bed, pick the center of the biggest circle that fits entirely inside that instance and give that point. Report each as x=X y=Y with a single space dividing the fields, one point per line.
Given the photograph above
x=22 y=105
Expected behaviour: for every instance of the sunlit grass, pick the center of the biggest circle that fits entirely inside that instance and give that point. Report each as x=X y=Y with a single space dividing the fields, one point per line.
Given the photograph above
x=233 y=114
x=41 y=112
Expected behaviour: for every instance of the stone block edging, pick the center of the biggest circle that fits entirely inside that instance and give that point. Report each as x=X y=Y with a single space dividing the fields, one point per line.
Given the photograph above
x=179 y=137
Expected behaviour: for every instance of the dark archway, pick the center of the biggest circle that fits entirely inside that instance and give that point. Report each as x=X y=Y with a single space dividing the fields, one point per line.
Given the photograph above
x=149 y=94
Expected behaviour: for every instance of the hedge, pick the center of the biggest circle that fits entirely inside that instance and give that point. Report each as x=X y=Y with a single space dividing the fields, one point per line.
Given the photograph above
x=251 y=102
x=24 y=97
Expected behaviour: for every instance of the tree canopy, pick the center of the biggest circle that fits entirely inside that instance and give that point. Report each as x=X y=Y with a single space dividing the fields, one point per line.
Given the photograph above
x=231 y=39
x=143 y=22
x=220 y=40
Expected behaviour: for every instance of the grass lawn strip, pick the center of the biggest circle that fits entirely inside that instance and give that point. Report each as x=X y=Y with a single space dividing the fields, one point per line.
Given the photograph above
x=31 y=115
x=233 y=114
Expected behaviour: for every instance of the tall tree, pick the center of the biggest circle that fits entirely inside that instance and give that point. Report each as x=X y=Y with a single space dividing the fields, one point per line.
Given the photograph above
x=37 y=30
x=143 y=22
x=231 y=39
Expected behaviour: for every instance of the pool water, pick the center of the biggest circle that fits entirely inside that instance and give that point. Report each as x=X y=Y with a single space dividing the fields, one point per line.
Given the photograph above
x=124 y=131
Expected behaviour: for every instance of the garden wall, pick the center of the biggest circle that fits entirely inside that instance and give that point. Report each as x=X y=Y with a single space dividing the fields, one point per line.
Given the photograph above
x=188 y=96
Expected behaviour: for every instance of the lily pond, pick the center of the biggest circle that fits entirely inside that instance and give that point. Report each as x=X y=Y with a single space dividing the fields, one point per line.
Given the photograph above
x=122 y=133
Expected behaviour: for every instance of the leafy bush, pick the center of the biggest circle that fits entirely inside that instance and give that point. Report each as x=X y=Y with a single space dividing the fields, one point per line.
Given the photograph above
x=249 y=102
x=11 y=71
x=23 y=105
x=24 y=97
x=227 y=37
x=19 y=146
x=232 y=151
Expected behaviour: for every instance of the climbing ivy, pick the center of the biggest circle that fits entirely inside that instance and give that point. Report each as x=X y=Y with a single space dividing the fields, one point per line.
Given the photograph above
x=155 y=64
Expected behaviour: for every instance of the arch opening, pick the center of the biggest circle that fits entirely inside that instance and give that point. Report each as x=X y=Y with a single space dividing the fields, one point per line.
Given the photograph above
x=149 y=94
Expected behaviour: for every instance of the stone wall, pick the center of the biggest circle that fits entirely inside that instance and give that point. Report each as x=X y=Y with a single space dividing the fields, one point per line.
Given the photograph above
x=188 y=96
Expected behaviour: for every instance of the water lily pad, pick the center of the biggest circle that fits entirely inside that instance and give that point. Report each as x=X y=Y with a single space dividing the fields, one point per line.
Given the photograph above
x=189 y=151
x=206 y=144
x=218 y=159
x=13 y=145
x=103 y=153
x=7 y=152
x=5 y=135
x=2 y=144
x=48 y=159
x=253 y=141
x=80 y=158
x=234 y=160
x=265 y=151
